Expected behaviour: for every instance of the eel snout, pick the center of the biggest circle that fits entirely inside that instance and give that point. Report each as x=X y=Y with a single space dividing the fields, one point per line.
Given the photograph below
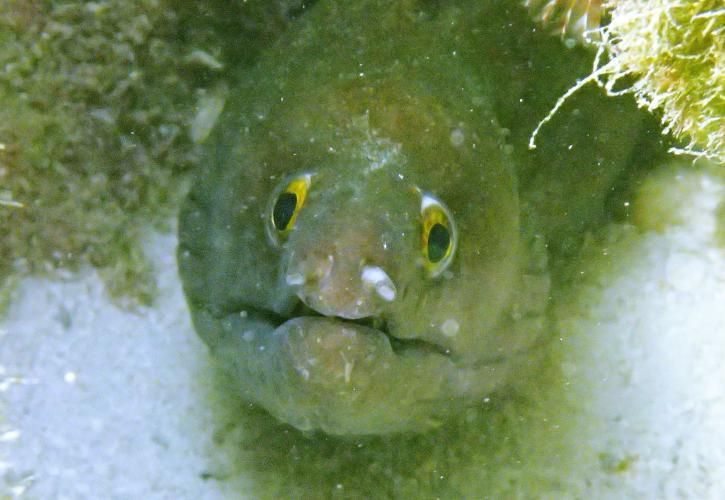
x=340 y=285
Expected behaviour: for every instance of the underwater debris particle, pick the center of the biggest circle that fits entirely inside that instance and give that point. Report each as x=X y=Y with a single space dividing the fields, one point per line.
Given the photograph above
x=209 y=107
x=450 y=327
x=70 y=378
x=203 y=58
x=457 y=137
x=8 y=436
x=348 y=370
x=11 y=203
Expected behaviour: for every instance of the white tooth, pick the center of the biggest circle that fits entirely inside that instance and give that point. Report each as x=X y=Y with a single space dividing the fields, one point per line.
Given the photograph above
x=294 y=279
x=375 y=277
x=372 y=275
x=385 y=292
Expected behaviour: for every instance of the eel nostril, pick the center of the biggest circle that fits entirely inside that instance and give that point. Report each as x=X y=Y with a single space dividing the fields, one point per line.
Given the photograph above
x=313 y=269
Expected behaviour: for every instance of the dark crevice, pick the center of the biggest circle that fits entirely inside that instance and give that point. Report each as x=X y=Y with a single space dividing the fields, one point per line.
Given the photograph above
x=401 y=346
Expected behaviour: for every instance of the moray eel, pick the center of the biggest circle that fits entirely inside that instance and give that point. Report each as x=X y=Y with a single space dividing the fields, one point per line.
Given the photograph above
x=368 y=245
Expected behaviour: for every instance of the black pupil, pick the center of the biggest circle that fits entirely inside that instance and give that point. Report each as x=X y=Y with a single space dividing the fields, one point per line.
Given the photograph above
x=438 y=241
x=283 y=211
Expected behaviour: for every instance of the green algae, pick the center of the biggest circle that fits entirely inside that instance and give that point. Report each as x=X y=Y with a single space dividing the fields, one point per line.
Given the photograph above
x=667 y=53
x=96 y=100
x=87 y=141
x=672 y=53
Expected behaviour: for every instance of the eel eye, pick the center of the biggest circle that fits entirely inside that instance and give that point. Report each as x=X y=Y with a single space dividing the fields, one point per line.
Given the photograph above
x=439 y=236
x=285 y=205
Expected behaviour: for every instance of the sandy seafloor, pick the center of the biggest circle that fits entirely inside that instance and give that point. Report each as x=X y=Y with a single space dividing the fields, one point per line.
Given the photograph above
x=102 y=402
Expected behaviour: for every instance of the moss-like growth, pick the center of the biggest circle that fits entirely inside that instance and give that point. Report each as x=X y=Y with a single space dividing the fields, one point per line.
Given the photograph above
x=669 y=54
x=96 y=99
x=675 y=51
x=91 y=126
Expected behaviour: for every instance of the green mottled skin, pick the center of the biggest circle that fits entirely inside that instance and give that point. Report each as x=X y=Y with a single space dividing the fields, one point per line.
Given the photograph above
x=361 y=84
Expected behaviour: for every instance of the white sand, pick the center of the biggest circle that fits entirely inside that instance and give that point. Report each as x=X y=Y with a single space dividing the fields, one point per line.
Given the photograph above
x=99 y=402
x=110 y=404
x=646 y=353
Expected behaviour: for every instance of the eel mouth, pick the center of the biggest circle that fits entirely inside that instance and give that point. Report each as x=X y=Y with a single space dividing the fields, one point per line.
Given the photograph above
x=377 y=323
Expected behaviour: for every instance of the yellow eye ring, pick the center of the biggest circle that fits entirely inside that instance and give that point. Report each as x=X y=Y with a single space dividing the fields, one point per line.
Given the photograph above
x=285 y=205
x=439 y=236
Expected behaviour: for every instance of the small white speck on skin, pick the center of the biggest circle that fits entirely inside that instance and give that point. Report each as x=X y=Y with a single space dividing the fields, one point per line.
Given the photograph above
x=348 y=369
x=69 y=377
x=450 y=328
x=457 y=137
x=295 y=279
x=248 y=336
